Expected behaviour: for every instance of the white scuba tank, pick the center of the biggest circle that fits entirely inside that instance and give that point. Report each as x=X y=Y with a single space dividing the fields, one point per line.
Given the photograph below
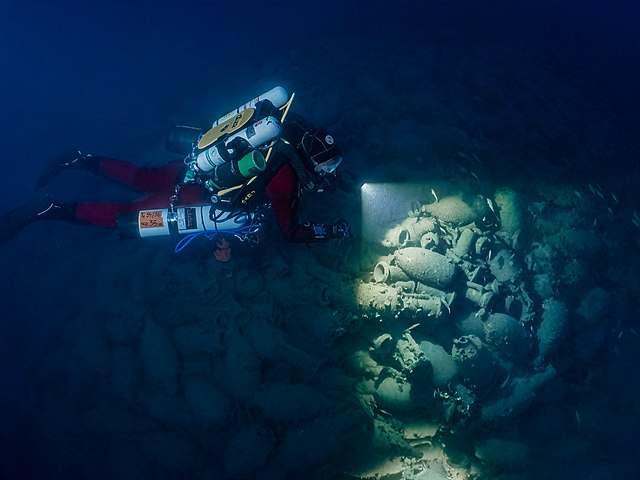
x=256 y=134
x=277 y=95
x=191 y=219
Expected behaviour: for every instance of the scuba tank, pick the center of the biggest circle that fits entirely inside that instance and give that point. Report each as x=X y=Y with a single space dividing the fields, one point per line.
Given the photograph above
x=278 y=96
x=259 y=133
x=181 y=138
x=222 y=157
x=185 y=220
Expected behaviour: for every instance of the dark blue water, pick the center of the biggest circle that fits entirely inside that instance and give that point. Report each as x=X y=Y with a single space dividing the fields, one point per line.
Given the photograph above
x=122 y=360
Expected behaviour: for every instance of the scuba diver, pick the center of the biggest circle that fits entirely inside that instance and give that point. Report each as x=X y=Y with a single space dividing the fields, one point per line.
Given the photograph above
x=221 y=187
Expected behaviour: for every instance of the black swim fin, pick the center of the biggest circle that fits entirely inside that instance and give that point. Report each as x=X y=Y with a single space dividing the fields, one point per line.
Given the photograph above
x=41 y=207
x=71 y=160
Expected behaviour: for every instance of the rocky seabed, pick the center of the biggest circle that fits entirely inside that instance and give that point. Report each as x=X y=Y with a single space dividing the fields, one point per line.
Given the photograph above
x=409 y=362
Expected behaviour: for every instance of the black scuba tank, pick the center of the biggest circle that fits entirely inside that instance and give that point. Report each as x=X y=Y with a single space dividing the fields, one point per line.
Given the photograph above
x=181 y=139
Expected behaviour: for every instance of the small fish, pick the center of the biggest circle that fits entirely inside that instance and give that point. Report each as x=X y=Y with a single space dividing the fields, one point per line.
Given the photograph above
x=578 y=419
x=614 y=197
x=490 y=203
x=634 y=332
x=463 y=155
x=473 y=174
x=475 y=157
x=505 y=382
x=528 y=260
x=446 y=305
x=610 y=210
x=507 y=303
x=592 y=188
x=433 y=192
x=578 y=194
x=415 y=325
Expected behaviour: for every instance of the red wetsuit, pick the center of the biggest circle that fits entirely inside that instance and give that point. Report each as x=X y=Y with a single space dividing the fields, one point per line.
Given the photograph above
x=282 y=191
x=157 y=183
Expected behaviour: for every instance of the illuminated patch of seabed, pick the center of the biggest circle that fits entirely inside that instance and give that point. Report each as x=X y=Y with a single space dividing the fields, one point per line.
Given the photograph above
x=516 y=256
x=428 y=461
x=385 y=207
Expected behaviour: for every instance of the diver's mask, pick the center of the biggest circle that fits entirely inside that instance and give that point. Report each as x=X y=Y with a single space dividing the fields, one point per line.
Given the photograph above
x=321 y=151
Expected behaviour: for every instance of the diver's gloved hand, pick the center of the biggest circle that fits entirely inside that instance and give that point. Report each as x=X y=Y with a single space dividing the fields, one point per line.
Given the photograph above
x=310 y=186
x=317 y=184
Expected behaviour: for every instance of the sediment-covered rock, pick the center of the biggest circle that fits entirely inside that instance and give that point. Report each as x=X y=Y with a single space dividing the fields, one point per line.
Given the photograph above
x=510 y=212
x=125 y=372
x=504 y=266
x=171 y=410
x=474 y=360
x=594 y=305
x=89 y=350
x=506 y=334
x=248 y=450
x=171 y=455
x=294 y=450
x=198 y=339
x=502 y=454
x=521 y=395
x=124 y=328
x=115 y=423
x=544 y=285
x=159 y=356
x=209 y=405
x=241 y=366
x=271 y=344
x=552 y=329
x=576 y=243
x=443 y=364
x=394 y=394
x=284 y=402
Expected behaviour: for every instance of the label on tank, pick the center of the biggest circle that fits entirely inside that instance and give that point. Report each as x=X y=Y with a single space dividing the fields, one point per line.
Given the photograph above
x=151 y=219
x=187 y=219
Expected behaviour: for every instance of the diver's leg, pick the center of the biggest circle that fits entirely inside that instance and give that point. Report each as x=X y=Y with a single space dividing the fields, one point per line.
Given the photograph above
x=144 y=179
x=43 y=207
x=105 y=214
